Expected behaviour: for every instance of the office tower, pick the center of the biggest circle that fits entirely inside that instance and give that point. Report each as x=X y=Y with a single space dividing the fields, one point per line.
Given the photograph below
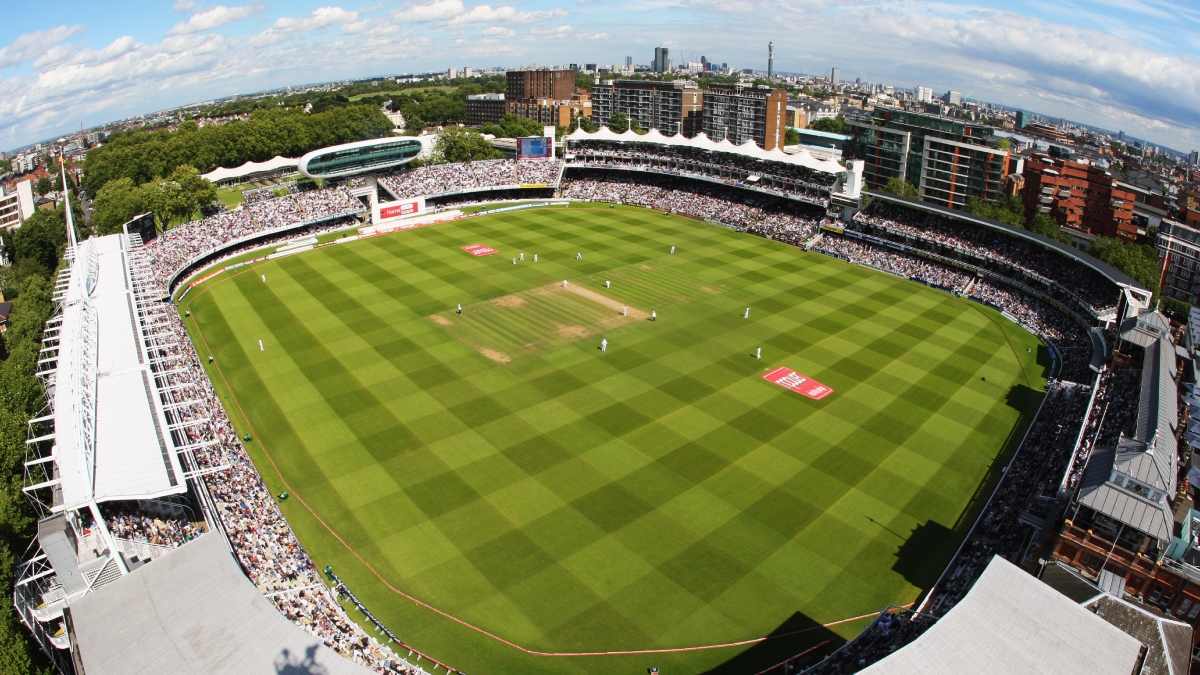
x=662 y=62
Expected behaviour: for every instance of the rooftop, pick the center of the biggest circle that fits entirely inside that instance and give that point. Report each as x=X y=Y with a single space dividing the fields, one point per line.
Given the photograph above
x=1009 y=622
x=194 y=611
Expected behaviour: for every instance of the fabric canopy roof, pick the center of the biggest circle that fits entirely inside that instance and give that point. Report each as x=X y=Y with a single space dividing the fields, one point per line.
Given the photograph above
x=702 y=142
x=250 y=168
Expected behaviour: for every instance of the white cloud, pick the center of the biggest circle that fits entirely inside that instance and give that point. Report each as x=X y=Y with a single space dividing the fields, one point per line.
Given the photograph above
x=322 y=17
x=183 y=5
x=498 y=31
x=488 y=14
x=214 y=17
x=438 y=10
x=593 y=36
x=35 y=45
x=551 y=31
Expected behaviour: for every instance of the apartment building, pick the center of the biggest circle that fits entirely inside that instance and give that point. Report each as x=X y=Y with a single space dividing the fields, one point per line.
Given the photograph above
x=484 y=108
x=671 y=107
x=1079 y=196
x=950 y=160
x=16 y=204
x=740 y=113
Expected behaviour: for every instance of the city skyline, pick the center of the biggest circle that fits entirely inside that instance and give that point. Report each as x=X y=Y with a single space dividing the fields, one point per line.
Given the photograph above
x=1116 y=67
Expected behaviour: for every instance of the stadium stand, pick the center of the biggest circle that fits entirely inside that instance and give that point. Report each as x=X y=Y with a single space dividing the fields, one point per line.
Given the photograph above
x=137 y=461
x=187 y=246
x=440 y=180
x=201 y=479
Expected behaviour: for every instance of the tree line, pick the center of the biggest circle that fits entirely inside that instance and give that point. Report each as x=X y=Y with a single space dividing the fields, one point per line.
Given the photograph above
x=143 y=156
x=35 y=250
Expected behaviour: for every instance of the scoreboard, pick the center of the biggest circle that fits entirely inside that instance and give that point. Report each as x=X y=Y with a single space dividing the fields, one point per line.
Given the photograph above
x=535 y=147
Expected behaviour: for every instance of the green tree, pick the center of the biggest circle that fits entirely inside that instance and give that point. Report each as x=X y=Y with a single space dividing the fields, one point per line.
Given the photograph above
x=148 y=155
x=115 y=204
x=1004 y=144
x=1175 y=309
x=44 y=185
x=41 y=238
x=620 y=123
x=21 y=396
x=5 y=165
x=459 y=144
x=1044 y=225
x=1139 y=261
x=1005 y=209
x=791 y=136
x=903 y=188
x=833 y=125
x=512 y=126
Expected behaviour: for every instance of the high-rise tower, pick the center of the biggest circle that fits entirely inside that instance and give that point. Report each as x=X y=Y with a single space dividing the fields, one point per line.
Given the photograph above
x=770 y=60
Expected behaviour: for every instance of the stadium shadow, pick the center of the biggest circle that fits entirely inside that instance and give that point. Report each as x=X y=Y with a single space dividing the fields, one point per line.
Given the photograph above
x=927 y=551
x=288 y=663
x=923 y=555
x=794 y=636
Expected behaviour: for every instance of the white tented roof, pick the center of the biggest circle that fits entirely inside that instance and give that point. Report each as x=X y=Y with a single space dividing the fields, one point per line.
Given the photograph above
x=111 y=444
x=1010 y=622
x=250 y=168
x=703 y=142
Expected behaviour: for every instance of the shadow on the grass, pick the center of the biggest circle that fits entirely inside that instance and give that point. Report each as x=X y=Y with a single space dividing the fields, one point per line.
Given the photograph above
x=923 y=555
x=793 y=637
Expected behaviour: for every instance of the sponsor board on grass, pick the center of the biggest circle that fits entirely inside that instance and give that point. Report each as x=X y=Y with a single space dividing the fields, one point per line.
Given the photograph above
x=479 y=250
x=790 y=379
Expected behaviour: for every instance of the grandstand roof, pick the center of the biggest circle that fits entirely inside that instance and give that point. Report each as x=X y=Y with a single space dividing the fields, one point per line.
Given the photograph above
x=702 y=142
x=193 y=611
x=110 y=435
x=1115 y=275
x=250 y=168
x=1009 y=622
x=1149 y=457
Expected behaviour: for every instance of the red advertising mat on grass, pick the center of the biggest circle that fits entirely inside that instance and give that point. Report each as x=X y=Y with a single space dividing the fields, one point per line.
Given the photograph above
x=786 y=377
x=479 y=249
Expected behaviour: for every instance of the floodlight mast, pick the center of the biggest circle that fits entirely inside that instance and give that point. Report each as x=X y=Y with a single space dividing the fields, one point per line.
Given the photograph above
x=72 y=238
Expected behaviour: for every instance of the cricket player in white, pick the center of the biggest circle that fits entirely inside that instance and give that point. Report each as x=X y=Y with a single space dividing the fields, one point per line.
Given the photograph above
x=747 y=314
x=604 y=345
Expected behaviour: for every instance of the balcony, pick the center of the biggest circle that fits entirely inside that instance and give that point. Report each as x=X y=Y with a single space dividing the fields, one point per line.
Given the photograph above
x=1046 y=200
x=1048 y=190
x=1043 y=209
x=1063 y=194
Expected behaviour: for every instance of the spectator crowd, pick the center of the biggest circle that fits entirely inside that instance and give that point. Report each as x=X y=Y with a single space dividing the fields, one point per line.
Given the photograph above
x=768 y=217
x=439 y=179
x=1007 y=254
x=731 y=168
x=179 y=246
x=265 y=545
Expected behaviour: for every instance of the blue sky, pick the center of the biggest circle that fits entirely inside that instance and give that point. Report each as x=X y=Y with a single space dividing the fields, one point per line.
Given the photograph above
x=1131 y=65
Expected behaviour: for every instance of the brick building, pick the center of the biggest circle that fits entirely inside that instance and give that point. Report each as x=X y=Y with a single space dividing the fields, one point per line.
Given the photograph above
x=556 y=85
x=548 y=96
x=1079 y=196
x=740 y=113
x=670 y=107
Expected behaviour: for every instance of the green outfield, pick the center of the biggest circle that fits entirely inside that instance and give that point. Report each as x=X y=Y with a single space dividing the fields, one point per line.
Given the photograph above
x=500 y=467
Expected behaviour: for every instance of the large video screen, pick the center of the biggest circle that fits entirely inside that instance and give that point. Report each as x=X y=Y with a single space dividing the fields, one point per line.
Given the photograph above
x=535 y=147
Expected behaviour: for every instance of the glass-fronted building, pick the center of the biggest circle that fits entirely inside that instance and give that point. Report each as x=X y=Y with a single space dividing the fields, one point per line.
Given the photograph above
x=350 y=159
